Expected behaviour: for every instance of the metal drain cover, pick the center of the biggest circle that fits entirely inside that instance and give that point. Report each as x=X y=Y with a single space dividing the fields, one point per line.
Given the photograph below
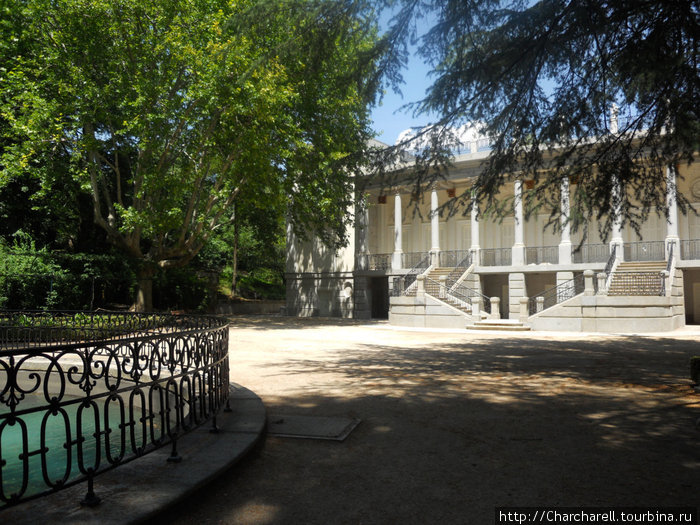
x=311 y=427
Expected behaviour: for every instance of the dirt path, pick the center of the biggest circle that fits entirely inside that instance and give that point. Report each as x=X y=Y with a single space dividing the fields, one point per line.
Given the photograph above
x=456 y=424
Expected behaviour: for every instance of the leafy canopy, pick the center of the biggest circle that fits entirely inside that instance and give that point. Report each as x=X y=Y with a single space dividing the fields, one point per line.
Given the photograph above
x=542 y=76
x=167 y=112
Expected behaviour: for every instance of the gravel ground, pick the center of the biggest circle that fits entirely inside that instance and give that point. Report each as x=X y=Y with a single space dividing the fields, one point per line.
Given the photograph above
x=455 y=424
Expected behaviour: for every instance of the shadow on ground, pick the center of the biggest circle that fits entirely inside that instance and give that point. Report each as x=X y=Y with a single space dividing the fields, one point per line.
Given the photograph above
x=453 y=428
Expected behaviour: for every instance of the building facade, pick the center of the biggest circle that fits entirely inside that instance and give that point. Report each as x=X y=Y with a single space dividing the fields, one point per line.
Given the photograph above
x=407 y=262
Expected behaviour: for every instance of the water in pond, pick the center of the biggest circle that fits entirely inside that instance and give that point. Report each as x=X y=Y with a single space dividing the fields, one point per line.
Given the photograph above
x=60 y=442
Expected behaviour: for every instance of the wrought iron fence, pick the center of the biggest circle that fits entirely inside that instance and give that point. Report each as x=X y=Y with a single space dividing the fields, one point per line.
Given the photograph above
x=590 y=253
x=412 y=259
x=379 y=261
x=452 y=258
x=556 y=295
x=690 y=250
x=496 y=256
x=542 y=254
x=463 y=295
x=645 y=251
x=459 y=269
x=110 y=386
x=403 y=285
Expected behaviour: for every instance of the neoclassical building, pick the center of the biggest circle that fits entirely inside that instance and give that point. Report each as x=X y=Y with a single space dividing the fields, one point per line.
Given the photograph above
x=427 y=270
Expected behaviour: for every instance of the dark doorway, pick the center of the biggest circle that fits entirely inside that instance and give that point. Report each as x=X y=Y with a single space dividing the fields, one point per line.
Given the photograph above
x=379 y=287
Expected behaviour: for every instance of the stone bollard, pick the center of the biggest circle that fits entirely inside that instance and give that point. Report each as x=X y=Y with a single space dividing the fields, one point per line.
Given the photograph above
x=540 y=304
x=588 y=282
x=476 y=311
x=601 y=283
x=443 y=287
x=495 y=308
x=420 y=286
x=523 y=309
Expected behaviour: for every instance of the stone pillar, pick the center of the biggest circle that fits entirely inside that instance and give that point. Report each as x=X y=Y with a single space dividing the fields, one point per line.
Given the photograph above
x=396 y=259
x=475 y=247
x=519 y=246
x=523 y=311
x=672 y=224
x=565 y=242
x=601 y=283
x=434 y=228
x=516 y=290
x=420 y=286
x=563 y=277
x=540 y=303
x=588 y=288
x=495 y=308
x=476 y=312
x=362 y=227
x=616 y=239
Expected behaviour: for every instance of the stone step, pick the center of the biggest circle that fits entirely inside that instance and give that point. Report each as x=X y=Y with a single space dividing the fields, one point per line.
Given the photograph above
x=510 y=325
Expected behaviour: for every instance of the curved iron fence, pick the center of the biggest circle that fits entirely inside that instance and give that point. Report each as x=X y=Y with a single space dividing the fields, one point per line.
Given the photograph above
x=82 y=393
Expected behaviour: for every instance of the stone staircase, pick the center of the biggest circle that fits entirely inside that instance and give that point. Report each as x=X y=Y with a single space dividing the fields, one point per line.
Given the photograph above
x=637 y=278
x=508 y=325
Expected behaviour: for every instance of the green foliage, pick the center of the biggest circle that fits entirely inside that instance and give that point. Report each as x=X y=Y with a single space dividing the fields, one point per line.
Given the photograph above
x=32 y=278
x=169 y=112
x=541 y=78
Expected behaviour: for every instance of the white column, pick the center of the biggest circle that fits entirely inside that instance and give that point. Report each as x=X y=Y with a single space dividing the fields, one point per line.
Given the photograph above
x=396 y=262
x=519 y=226
x=362 y=227
x=672 y=224
x=565 y=242
x=475 y=247
x=434 y=228
x=616 y=239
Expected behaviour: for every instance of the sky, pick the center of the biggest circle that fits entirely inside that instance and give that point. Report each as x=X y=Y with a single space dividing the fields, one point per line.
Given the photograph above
x=389 y=120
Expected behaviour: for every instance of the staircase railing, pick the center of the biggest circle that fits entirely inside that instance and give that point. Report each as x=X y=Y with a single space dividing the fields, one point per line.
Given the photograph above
x=609 y=267
x=459 y=270
x=463 y=295
x=403 y=285
x=556 y=295
x=669 y=268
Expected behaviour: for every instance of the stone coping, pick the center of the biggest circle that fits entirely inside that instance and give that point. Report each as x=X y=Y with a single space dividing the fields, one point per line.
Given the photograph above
x=140 y=490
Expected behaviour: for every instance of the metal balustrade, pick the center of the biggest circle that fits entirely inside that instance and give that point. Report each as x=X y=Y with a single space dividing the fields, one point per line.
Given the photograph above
x=690 y=250
x=542 y=254
x=452 y=258
x=556 y=295
x=412 y=259
x=405 y=285
x=115 y=386
x=645 y=251
x=496 y=256
x=379 y=261
x=590 y=253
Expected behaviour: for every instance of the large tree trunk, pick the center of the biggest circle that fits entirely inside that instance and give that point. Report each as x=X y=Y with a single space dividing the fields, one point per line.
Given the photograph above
x=144 y=294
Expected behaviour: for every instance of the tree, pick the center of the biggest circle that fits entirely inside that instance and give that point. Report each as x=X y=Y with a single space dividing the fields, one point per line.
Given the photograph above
x=543 y=76
x=165 y=112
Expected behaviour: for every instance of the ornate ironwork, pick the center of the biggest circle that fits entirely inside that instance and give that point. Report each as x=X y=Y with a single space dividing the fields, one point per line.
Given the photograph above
x=496 y=256
x=379 y=261
x=459 y=269
x=114 y=386
x=645 y=251
x=405 y=285
x=452 y=258
x=556 y=295
x=590 y=253
x=690 y=249
x=542 y=254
